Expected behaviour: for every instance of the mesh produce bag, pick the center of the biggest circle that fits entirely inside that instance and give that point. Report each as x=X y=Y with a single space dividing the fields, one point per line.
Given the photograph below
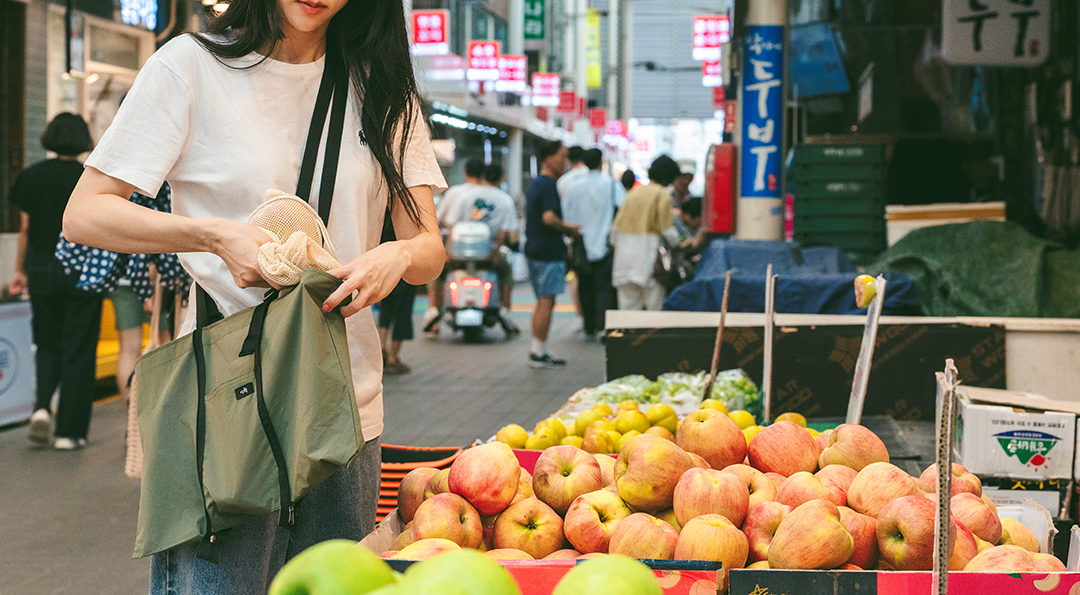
x=301 y=240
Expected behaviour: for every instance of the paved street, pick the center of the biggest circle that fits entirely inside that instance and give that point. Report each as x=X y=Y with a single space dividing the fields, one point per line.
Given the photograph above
x=68 y=519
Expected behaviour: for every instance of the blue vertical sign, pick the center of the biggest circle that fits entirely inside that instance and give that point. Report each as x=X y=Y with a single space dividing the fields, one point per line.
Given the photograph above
x=762 y=109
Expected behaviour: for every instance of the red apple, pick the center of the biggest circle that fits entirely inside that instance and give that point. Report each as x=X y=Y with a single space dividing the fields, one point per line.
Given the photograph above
x=438 y=484
x=760 y=527
x=592 y=518
x=965 y=549
x=668 y=516
x=961 y=481
x=411 y=491
x=1048 y=563
x=563 y=555
x=784 y=448
x=525 y=488
x=760 y=488
x=607 y=471
x=563 y=473
x=647 y=471
x=1014 y=533
x=905 y=533
x=838 y=474
x=973 y=513
x=854 y=446
x=388 y=554
x=698 y=460
x=642 y=535
x=849 y=567
x=530 y=526
x=863 y=530
x=877 y=485
x=712 y=537
x=714 y=436
x=403 y=539
x=1004 y=559
x=803 y=487
x=759 y=565
x=508 y=554
x=591 y=556
x=426 y=549
x=811 y=537
x=487 y=476
x=448 y=516
x=707 y=491
x=775 y=478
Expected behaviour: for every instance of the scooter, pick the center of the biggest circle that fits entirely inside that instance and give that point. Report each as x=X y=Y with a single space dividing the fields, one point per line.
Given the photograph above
x=472 y=284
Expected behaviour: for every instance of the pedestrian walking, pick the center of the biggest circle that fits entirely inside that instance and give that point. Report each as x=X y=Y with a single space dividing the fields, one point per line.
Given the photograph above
x=66 y=319
x=680 y=188
x=545 y=250
x=575 y=168
x=396 y=327
x=643 y=219
x=223 y=117
x=590 y=203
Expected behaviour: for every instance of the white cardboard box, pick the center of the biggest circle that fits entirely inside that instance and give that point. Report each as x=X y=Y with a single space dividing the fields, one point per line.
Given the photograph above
x=1012 y=434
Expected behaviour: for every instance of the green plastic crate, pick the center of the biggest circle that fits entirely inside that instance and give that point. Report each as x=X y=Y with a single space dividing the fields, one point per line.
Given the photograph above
x=864 y=243
x=838 y=172
x=856 y=224
x=814 y=153
x=848 y=205
x=837 y=188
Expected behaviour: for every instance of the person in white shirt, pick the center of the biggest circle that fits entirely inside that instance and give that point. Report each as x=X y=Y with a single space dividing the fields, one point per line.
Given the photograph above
x=577 y=168
x=591 y=202
x=450 y=203
x=223 y=117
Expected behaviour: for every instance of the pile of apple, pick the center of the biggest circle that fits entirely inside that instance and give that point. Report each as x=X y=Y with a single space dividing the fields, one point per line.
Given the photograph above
x=342 y=567
x=783 y=500
x=600 y=430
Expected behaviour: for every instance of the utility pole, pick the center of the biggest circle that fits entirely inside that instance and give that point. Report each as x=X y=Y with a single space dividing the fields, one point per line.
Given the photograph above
x=516 y=141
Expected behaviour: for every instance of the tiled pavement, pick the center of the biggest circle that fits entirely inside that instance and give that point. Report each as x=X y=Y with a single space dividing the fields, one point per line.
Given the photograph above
x=67 y=520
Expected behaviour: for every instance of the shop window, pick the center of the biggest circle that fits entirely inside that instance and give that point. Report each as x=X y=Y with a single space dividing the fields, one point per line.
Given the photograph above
x=502 y=33
x=479 y=23
x=111 y=46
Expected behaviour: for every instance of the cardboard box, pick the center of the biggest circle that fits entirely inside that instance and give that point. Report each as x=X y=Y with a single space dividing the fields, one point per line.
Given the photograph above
x=1054 y=495
x=830 y=582
x=1011 y=434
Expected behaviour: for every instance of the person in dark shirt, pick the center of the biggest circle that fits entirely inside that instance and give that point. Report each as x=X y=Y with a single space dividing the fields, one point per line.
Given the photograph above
x=545 y=250
x=67 y=320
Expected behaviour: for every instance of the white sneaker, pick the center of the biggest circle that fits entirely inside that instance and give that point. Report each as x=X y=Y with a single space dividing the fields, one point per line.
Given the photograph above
x=39 y=426
x=69 y=444
x=431 y=318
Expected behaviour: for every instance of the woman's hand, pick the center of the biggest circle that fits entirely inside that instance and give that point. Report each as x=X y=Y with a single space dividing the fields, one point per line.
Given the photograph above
x=374 y=275
x=237 y=243
x=18 y=284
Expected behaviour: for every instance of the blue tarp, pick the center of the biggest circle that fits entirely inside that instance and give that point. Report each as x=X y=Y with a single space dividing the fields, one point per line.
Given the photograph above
x=817 y=280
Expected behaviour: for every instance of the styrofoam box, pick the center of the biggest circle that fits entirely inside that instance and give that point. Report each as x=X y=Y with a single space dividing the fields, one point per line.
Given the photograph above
x=993 y=438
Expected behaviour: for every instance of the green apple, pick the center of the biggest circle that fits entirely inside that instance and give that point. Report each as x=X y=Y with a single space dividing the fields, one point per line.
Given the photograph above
x=468 y=570
x=609 y=574
x=332 y=567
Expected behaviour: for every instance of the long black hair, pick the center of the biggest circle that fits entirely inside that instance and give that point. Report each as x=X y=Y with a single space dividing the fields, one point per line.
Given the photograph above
x=369 y=39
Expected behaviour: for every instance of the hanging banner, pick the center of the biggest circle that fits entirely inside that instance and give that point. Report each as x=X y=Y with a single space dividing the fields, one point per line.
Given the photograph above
x=567 y=102
x=593 y=71
x=996 y=32
x=512 y=71
x=762 y=111
x=483 y=61
x=545 y=90
x=598 y=118
x=430 y=32
x=731 y=115
x=709 y=32
x=711 y=74
x=450 y=67
x=534 y=19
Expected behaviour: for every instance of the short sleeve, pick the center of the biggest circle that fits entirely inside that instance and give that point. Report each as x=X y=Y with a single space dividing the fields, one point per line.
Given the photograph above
x=665 y=218
x=420 y=167
x=549 y=199
x=149 y=132
x=620 y=194
x=510 y=221
x=19 y=195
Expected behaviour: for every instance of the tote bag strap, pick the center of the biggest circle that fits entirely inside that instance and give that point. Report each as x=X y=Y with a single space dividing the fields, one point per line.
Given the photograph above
x=335 y=84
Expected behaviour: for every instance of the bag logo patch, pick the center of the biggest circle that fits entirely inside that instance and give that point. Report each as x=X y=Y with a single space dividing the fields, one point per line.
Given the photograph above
x=244 y=391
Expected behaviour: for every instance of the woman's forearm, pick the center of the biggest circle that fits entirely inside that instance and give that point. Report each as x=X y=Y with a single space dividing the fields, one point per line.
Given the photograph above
x=99 y=214
x=422 y=245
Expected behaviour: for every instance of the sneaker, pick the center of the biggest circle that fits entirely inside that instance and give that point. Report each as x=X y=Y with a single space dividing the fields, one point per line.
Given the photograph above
x=396 y=369
x=545 y=361
x=507 y=323
x=69 y=443
x=39 y=426
x=431 y=320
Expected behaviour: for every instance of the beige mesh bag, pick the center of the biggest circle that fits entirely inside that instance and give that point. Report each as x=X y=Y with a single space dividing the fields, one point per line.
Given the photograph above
x=301 y=240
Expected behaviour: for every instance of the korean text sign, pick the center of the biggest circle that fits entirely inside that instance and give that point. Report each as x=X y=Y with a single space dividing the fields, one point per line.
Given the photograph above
x=483 y=61
x=545 y=89
x=709 y=33
x=512 y=71
x=430 y=32
x=996 y=32
x=762 y=121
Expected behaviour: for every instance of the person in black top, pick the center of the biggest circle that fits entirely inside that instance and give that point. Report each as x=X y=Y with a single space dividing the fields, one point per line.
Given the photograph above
x=545 y=250
x=67 y=320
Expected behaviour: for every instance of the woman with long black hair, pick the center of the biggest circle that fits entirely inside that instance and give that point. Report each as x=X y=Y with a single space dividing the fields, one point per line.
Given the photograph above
x=223 y=117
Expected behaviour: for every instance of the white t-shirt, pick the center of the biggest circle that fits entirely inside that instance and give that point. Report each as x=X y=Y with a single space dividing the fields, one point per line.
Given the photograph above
x=451 y=200
x=486 y=204
x=590 y=202
x=221 y=137
x=569 y=177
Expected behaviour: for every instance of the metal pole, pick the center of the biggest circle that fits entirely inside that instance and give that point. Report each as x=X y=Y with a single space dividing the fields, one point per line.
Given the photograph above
x=581 y=59
x=613 y=57
x=626 y=58
x=516 y=47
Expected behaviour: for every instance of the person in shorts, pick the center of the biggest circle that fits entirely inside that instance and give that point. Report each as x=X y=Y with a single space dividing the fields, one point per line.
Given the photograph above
x=545 y=250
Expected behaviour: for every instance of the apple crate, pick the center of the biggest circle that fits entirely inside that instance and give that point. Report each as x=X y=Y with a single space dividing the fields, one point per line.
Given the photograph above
x=829 y=582
x=397 y=461
x=539 y=577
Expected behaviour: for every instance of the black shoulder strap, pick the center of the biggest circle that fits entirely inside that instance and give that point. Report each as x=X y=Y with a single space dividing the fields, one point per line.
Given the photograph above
x=334 y=84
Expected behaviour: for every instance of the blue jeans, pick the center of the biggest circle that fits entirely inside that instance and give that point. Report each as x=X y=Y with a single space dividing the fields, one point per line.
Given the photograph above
x=548 y=277
x=341 y=507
